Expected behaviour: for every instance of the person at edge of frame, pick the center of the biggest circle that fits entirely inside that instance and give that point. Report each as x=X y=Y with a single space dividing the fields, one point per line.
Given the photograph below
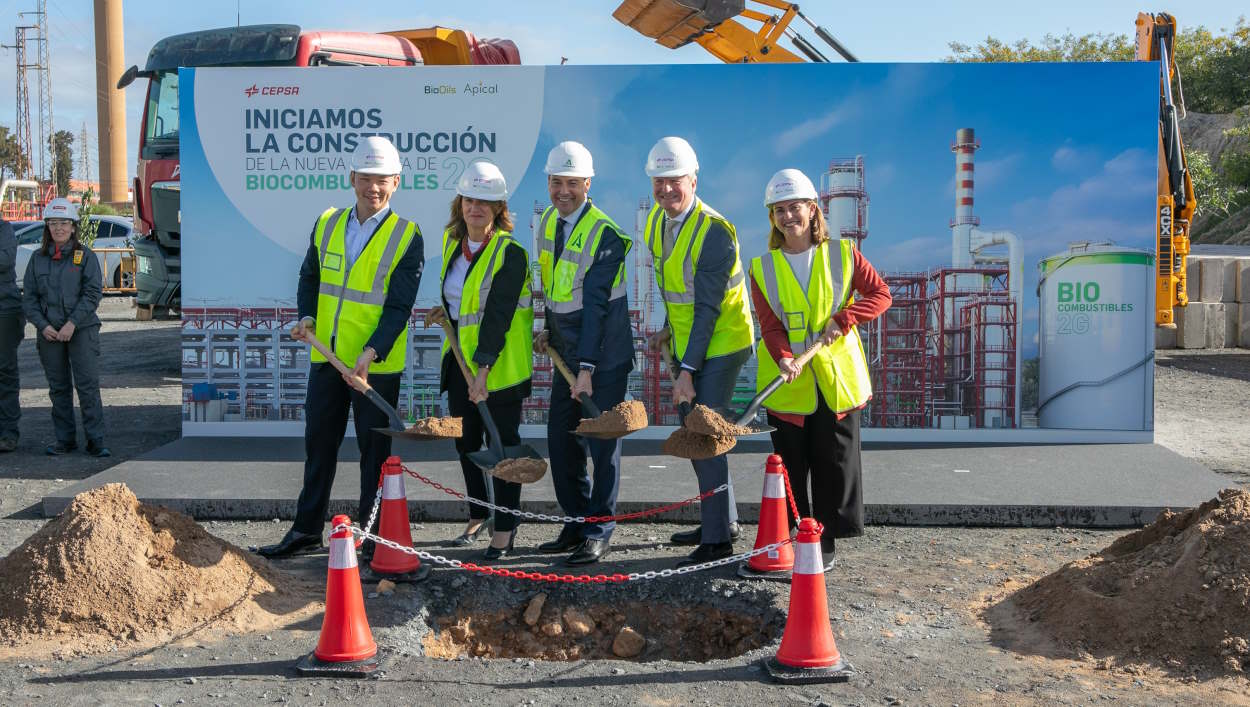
x=12 y=331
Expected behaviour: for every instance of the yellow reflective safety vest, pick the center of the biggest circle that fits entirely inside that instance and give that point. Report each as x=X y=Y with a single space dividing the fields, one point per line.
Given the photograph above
x=515 y=363
x=350 y=297
x=675 y=264
x=562 y=279
x=840 y=370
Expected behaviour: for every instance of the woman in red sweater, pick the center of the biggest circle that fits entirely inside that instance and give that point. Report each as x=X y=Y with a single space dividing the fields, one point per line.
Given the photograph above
x=813 y=290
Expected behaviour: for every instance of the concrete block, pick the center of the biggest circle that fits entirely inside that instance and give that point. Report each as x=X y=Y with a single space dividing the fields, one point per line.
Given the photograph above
x=1193 y=277
x=1232 y=312
x=1165 y=338
x=1243 y=326
x=1219 y=280
x=1191 y=326
x=1243 y=279
x=1215 y=324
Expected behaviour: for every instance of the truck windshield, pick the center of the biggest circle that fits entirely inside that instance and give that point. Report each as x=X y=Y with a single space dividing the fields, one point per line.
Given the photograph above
x=160 y=135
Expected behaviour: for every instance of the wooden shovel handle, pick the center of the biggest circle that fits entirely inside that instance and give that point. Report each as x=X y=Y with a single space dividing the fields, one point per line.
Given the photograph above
x=454 y=342
x=357 y=382
x=561 y=366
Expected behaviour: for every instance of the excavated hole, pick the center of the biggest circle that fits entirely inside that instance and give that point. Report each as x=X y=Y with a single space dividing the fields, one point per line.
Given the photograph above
x=545 y=629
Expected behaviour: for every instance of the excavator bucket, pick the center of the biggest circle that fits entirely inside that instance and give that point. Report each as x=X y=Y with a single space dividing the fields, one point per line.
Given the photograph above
x=675 y=23
x=442 y=46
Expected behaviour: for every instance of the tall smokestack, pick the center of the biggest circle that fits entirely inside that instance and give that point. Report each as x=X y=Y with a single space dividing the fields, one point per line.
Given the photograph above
x=110 y=102
x=961 y=225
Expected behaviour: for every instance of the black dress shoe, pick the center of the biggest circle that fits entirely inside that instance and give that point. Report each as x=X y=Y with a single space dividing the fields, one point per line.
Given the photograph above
x=56 y=450
x=465 y=539
x=563 y=543
x=494 y=553
x=293 y=543
x=706 y=553
x=828 y=560
x=590 y=551
x=366 y=552
x=695 y=537
x=97 y=449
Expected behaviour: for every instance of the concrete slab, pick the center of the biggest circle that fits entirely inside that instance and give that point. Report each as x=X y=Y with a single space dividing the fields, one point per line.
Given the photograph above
x=1215 y=338
x=1218 y=280
x=1165 y=337
x=1193 y=277
x=1191 y=326
x=1243 y=280
x=1116 y=485
x=1232 y=313
x=1243 y=325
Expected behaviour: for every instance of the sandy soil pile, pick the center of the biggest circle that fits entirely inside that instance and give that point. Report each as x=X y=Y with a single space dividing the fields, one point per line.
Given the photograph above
x=623 y=418
x=692 y=445
x=1176 y=593
x=451 y=427
x=705 y=420
x=110 y=570
x=521 y=471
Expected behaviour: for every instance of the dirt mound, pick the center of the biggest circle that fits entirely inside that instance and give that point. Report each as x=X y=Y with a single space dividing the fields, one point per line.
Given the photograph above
x=452 y=427
x=706 y=421
x=692 y=445
x=623 y=418
x=111 y=571
x=521 y=471
x=1175 y=593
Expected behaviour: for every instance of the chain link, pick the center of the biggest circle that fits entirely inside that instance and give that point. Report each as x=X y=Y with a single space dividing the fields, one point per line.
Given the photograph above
x=567 y=519
x=373 y=515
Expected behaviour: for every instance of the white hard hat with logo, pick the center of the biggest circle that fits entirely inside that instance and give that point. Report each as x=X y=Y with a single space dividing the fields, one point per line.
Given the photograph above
x=482 y=180
x=787 y=185
x=671 y=157
x=376 y=155
x=60 y=207
x=570 y=159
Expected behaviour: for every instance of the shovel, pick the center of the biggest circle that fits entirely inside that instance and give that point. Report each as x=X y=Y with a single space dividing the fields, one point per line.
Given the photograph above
x=488 y=458
x=588 y=405
x=397 y=427
x=746 y=419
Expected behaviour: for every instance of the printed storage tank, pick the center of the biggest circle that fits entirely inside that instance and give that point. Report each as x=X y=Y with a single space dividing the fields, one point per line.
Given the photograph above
x=1096 y=339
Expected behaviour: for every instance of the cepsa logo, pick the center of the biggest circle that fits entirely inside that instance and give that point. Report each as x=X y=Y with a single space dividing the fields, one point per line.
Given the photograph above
x=271 y=90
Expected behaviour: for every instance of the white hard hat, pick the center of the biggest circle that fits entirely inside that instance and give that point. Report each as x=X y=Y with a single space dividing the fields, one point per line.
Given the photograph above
x=60 y=207
x=671 y=157
x=788 y=184
x=570 y=159
x=482 y=180
x=376 y=155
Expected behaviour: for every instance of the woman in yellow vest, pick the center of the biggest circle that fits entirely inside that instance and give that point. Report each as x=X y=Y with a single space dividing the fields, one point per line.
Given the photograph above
x=486 y=295
x=803 y=290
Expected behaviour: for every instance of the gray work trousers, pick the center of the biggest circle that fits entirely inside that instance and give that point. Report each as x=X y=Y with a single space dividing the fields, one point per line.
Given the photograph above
x=12 y=325
x=71 y=365
x=714 y=387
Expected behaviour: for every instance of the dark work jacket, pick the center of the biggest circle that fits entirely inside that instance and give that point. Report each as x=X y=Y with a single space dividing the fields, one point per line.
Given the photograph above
x=57 y=291
x=401 y=291
x=10 y=294
x=497 y=314
x=599 y=333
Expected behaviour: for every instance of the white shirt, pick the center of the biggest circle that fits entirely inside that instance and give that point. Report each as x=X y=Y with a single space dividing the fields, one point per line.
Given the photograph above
x=801 y=265
x=356 y=234
x=453 y=284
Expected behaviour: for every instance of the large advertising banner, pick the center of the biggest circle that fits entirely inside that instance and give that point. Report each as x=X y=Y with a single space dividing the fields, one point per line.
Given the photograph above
x=1009 y=207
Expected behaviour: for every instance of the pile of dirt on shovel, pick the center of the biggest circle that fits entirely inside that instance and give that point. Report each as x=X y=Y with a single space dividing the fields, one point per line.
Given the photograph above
x=623 y=418
x=451 y=427
x=691 y=445
x=112 y=573
x=706 y=421
x=1175 y=594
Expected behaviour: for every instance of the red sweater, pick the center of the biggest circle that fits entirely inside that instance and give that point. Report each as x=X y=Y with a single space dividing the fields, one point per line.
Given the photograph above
x=873 y=298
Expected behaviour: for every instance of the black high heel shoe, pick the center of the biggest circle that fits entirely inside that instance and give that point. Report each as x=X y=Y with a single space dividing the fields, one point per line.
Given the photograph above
x=469 y=538
x=494 y=553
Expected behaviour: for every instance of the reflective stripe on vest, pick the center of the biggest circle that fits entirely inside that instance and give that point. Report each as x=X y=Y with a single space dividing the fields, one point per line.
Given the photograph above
x=350 y=296
x=675 y=264
x=515 y=363
x=562 y=279
x=839 y=371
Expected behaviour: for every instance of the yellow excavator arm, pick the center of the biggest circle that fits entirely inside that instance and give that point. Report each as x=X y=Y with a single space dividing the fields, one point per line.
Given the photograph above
x=714 y=25
x=1176 y=202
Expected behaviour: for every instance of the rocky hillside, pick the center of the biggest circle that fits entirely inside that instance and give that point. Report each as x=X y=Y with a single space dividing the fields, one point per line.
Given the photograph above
x=1205 y=132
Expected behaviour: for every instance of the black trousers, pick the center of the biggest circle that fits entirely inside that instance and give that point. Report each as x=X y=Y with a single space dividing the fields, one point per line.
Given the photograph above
x=12 y=326
x=507 y=417
x=329 y=400
x=825 y=453
x=580 y=493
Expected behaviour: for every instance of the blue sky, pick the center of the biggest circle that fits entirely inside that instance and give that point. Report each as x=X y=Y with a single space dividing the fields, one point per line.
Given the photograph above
x=583 y=32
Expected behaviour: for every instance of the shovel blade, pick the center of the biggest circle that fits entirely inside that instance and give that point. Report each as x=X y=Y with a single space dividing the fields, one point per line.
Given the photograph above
x=407 y=434
x=485 y=459
x=753 y=426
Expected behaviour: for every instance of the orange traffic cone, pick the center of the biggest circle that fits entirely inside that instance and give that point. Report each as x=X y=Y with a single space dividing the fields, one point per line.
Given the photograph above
x=773 y=528
x=808 y=653
x=346 y=647
x=389 y=563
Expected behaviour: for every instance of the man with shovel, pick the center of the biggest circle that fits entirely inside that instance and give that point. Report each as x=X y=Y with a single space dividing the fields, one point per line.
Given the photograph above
x=356 y=290
x=582 y=265
x=709 y=331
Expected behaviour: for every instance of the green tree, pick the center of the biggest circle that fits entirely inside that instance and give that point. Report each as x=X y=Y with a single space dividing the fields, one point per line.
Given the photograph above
x=61 y=146
x=1217 y=196
x=12 y=162
x=1069 y=47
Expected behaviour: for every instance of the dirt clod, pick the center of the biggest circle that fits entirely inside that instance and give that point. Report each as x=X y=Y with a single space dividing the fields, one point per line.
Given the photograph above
x=385 y=586
x=621 y=419
x=706 y=421
x=534 y=609
x=110 y=570
x=451 y=427
x=692 y=445
x=628 y=643
x=578 y=623
x=1175 y=593
x=553 y=628
x=521 y=471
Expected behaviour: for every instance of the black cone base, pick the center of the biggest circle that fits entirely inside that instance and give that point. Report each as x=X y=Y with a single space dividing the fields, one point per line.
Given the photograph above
x=840 y=671
x=368 y=576
x=746 y=572
x=312 y=666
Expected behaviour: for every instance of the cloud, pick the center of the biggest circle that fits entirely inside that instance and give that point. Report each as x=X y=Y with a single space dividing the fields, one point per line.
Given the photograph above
x=809 y=130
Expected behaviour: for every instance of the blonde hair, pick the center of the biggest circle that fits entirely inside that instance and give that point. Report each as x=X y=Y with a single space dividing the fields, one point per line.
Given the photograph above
x=819 y=229
x=459 y=229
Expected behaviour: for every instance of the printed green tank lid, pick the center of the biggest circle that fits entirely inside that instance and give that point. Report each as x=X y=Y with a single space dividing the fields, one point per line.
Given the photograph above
x=1097 y=255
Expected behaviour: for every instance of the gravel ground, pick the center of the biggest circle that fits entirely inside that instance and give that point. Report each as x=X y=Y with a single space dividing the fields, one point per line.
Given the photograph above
x=905 y=601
